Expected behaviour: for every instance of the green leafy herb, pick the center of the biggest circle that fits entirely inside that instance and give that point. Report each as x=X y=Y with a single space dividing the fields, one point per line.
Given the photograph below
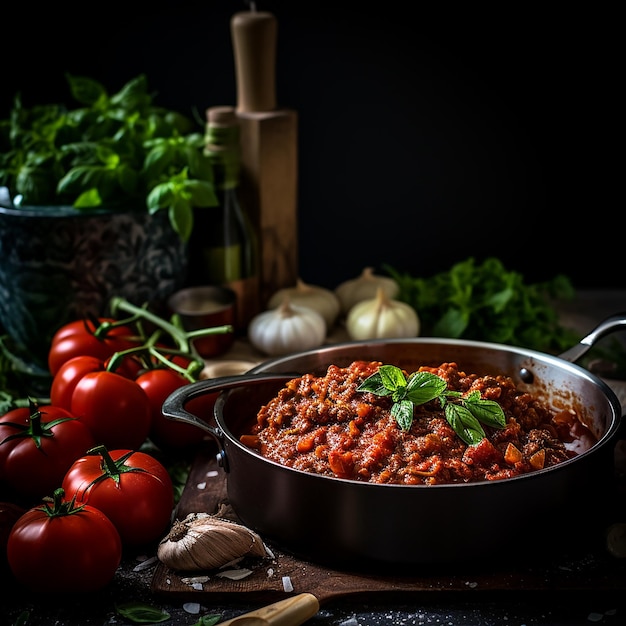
x=118 y=150
x=142 y=613
x=22 y=619
x=487 y=302
x=208 y=620
x=464 y=413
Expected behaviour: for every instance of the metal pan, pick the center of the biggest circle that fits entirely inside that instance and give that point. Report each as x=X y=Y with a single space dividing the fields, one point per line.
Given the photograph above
x=355 y=524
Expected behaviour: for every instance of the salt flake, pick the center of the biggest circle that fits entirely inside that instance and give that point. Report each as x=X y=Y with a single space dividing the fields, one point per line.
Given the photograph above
x=192 y=607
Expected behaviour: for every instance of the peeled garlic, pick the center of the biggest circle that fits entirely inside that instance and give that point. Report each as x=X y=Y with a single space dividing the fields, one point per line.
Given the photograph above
x=382 y=318
x=204 y=542
x=365 y=287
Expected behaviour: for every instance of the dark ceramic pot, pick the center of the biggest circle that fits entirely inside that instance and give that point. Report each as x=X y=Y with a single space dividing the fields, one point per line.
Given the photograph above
x=60 y=264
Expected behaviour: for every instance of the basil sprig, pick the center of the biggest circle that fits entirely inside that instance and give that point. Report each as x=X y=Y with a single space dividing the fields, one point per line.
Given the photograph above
x=463 y=413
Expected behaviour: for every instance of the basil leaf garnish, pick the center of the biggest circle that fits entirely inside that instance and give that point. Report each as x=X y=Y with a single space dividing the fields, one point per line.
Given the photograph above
x=464 y=414
x=465 y=425
x=403 y=414
x=487 y=411
x=374 y=384
x=424 y=387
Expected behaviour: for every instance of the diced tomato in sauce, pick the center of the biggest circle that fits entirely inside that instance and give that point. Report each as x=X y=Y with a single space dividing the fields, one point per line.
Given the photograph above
x=325 y=426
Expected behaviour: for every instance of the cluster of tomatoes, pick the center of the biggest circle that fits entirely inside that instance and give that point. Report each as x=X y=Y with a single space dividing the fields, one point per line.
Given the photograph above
x=121 y=406
x=74 y=464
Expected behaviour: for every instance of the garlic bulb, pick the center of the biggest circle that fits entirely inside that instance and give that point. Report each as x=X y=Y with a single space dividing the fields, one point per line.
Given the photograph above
x=364 y=287
x=320 y=299
x=381 y=317
x=288 y=328
x=204 y=542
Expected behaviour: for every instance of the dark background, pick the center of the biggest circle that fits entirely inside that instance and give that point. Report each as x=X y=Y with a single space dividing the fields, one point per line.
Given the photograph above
x=426 y=134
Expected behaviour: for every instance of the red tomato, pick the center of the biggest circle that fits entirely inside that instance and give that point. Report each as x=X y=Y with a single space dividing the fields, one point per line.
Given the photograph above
x=67 y=377
x=37 y=447
x=166 y=433
x=9 y=514
x=56 y=548
x=78 y=326
x=115 y=408
x=78 y=339
x=133 y=489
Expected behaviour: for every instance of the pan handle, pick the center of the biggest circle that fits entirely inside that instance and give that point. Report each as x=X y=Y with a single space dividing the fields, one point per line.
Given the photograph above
x=174 y=405
x=609 y=325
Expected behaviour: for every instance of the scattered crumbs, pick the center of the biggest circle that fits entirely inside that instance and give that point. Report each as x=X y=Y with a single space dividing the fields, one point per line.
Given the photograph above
x=168 y=581
x=201 y=485
x=192 y=607
x=270 y=572
x=212 y=474
x=471 y=585
x=287 y=585
x=145 y=564
x=235 y=574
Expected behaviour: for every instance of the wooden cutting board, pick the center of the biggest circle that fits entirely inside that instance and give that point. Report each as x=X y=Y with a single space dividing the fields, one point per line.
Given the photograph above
x=206 y=491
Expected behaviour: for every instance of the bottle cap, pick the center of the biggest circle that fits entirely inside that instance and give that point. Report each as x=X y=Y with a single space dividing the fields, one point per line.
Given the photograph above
x=222 y=116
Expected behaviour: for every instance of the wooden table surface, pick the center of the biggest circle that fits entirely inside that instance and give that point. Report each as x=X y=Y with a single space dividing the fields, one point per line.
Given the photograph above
x=587 y=589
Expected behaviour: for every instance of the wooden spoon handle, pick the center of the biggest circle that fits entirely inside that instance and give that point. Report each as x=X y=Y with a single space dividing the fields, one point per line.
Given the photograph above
x=293 y=611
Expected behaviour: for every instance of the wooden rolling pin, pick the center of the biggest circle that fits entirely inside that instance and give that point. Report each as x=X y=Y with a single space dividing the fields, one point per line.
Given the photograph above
x=269 y=151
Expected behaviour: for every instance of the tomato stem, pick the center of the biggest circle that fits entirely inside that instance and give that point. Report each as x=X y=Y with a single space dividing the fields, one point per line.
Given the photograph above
x=103 y=328
x=181 y=337
x=34 y=429
x=110 y=468
x=60 y=506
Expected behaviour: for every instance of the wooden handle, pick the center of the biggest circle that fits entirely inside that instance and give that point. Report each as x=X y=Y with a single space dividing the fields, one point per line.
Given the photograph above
x=290 y=612
x=254 y=46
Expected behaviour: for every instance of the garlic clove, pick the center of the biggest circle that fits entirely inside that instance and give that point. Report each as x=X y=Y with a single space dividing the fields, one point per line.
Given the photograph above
x=204 y=542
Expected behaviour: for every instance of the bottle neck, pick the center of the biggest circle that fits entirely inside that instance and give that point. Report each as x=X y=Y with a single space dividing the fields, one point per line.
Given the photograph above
x=222 y=148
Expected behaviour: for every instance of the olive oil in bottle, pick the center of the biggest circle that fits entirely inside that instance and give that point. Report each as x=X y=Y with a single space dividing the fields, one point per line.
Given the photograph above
x=224 y=239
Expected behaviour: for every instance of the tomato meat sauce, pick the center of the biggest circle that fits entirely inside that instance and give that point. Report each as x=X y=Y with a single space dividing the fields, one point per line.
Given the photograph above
x=323 y=425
